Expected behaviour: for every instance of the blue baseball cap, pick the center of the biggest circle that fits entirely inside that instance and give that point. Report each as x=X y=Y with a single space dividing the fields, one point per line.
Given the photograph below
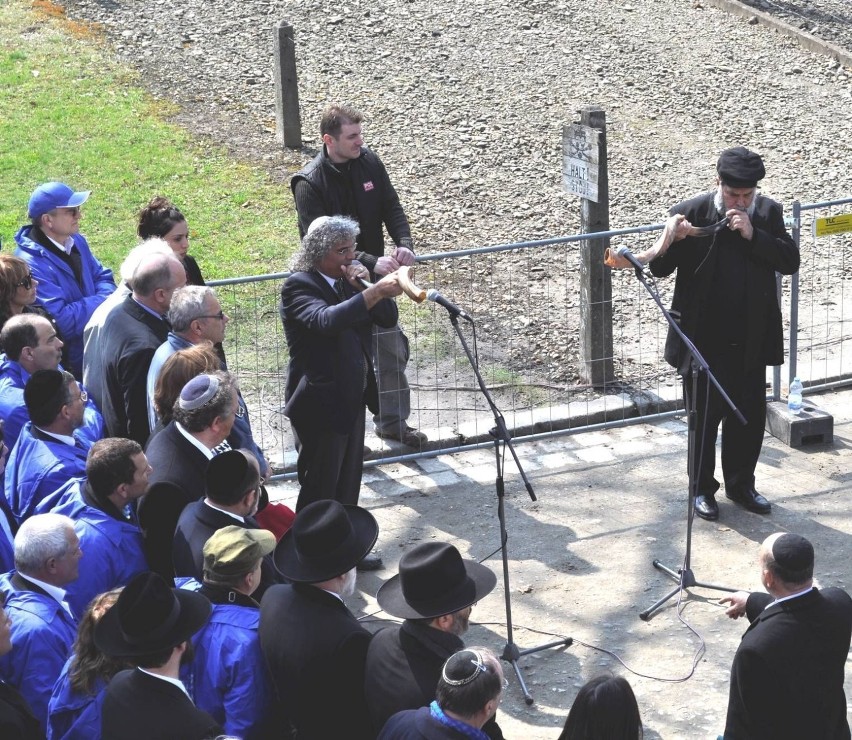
x=54 y=195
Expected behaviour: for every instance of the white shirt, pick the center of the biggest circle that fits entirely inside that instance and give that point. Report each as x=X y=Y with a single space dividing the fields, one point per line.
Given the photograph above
x=64 y=438
x=54 y=591
x=229 y=513
x=69 y=243
x=208 y=453
x=791 y=596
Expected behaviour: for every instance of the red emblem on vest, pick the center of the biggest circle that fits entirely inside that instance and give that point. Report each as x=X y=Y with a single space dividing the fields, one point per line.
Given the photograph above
x=368 y=186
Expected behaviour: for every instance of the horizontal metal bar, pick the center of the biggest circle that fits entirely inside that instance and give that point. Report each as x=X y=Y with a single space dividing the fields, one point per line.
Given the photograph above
x=826 y=204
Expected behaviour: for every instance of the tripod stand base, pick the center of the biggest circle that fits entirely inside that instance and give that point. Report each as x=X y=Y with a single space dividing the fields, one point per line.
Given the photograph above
x=686 y=579
x=511 y=654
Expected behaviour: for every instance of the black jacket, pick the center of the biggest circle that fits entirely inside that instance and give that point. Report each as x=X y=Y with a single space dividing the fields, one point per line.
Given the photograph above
x=787 y=676
x=141 y=707
x=316 y=650
x=177 y=479
x=771 y=250
x=129 y=338
x=360 y=189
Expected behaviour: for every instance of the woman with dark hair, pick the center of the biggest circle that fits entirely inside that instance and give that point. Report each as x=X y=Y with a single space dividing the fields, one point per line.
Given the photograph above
x=74 y=710
x=162 y=218
x=605 y=709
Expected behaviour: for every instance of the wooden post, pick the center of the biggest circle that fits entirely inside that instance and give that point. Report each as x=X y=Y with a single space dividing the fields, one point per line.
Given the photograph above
x=288 y=122
x=585 y=173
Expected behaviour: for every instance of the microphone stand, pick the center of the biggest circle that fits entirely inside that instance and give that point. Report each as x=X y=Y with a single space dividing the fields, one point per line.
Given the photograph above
x=511 y=653
x=684 y=576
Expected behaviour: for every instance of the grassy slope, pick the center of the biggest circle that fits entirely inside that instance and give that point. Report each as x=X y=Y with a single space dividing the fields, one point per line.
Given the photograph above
x=68 y=112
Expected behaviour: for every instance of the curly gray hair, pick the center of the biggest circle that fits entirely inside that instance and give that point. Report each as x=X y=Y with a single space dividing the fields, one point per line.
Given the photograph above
x=324 y=234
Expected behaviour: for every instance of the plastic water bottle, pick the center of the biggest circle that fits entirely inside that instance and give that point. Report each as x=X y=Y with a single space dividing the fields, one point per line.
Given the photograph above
x=794 y=397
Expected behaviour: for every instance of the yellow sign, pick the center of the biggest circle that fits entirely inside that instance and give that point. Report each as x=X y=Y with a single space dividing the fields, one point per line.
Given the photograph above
x=833 y=225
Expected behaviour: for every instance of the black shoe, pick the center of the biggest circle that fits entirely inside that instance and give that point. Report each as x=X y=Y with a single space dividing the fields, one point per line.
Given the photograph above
x=409 y=436
x=371 y=561
x=751 y=500
x=707 y=508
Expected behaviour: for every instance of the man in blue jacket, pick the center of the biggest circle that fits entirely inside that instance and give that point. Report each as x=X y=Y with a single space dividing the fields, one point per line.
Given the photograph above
x=72 y=282
x=228 y=673
x=47 y=558
x=105 y=521
x=30 y=344
x=46 y=454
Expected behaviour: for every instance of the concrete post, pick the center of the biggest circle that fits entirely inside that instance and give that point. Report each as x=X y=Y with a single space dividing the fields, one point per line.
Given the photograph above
x=288 y=123
x=596 y=366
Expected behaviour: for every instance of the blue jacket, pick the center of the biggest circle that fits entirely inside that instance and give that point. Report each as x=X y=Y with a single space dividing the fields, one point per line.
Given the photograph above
x=228 y=675
x=37 y=467
x=13 y=410
x=72 y=715
x=42 y=636
x=112 y=547
x=59 y=292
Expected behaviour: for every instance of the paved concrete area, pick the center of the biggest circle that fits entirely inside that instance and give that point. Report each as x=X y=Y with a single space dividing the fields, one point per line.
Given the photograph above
x=580 y=559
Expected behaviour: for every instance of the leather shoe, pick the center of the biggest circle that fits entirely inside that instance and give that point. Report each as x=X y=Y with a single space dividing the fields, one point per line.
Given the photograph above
x=707 y=508
x=751 y=500
x=409 y=436
x=371 y=561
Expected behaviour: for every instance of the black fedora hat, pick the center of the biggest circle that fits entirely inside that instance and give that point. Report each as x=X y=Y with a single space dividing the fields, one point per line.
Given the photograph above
x=149 y=617
x=326 y=540
x=434 y=580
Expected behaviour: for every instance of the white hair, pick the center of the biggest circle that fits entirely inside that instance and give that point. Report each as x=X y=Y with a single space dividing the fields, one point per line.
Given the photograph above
x=40 y=538
x=154 y=245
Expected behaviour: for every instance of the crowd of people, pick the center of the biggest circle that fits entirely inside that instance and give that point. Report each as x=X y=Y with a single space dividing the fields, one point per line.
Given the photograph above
x=150 y=588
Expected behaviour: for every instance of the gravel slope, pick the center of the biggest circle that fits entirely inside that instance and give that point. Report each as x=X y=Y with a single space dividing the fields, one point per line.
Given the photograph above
x=466 y=102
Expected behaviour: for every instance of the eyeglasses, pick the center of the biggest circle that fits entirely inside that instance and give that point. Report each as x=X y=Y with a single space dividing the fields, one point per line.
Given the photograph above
x=346 y=250
x=84 y=396
x=25 y=282
x=220 y=316
x=239 y=412
x=71 y=210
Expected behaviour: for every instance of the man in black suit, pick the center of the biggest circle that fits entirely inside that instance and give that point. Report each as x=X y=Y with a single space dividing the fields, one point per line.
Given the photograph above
x=313 y=645
x=233 y=496
x=328 y=317
x=434 y=593
x=203 y=417
x=151 y=626
x=129 y=338
x=726 y=299
x=787 y=675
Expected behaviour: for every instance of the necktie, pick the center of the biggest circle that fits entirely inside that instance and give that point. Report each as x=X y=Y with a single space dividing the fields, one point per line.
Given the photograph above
x=340 y=289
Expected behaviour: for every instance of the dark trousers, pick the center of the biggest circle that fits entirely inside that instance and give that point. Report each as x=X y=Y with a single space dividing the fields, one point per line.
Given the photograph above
x=330 y=464
x=740 y=444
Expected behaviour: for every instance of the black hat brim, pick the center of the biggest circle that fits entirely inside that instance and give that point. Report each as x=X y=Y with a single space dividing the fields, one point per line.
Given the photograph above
x=480 y=582
x=194 y=612
x=299 y=569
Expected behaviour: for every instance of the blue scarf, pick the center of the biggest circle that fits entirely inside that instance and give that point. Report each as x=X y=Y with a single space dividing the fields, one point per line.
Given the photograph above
x=462 y=727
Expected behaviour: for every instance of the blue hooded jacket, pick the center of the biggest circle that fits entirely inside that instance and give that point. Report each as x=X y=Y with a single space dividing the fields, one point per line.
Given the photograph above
x=59 y=292
x=42 y=635
x=72 y=715
x=38 y=467
x=13 y=409
x=112 y=547
x=228 y=675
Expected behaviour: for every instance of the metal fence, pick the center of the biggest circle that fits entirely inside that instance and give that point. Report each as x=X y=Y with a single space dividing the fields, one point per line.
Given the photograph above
x=525 y=298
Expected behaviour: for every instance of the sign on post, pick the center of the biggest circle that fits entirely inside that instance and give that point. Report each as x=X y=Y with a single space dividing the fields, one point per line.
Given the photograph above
x=580 y=160
x=833 y=225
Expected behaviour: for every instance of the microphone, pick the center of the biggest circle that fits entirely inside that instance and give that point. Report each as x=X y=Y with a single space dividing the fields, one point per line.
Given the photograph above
x=624 y=251
x=436 y=297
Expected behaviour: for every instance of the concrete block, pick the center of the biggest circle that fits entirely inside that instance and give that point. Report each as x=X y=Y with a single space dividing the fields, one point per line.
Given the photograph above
x=811 y=426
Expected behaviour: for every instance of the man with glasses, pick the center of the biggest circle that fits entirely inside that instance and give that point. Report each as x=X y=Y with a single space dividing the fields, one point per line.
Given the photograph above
x=328 y=318
x=46 y=454
x=726 y=298
x=30 y=344
x=72 y=282
x=233 y=497
x=348 y=179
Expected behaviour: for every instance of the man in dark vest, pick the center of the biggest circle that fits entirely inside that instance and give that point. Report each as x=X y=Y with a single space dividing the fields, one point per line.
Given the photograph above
x=726 y=299
x=347 y=179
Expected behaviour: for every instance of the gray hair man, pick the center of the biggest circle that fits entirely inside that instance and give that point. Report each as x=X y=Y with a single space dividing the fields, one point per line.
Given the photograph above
x=203 y=418
x=47 y=558
x=130 y=337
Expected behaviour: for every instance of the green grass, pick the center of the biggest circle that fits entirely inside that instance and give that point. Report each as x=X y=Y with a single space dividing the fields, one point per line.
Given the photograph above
x=69 y=113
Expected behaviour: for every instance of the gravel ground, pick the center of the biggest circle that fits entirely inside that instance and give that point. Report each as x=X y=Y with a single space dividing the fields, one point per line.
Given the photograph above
x=466 y=102
x=830 y=20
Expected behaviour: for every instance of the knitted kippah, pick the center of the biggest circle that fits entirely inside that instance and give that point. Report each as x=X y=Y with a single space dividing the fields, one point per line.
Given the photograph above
x=198 y=392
